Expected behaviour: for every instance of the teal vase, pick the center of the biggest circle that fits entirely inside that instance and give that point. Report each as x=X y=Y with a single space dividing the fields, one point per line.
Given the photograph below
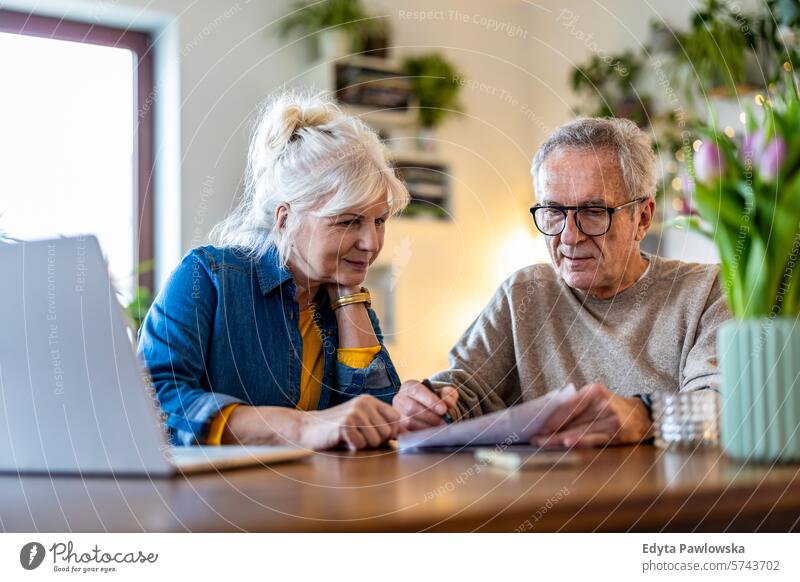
x=760 y=389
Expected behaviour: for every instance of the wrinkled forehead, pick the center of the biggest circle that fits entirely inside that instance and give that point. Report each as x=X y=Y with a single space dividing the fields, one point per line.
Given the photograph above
x=577 y=177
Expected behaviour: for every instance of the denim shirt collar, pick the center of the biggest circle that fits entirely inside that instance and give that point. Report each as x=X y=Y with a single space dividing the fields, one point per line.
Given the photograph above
x=270 y=272
x=271 y=276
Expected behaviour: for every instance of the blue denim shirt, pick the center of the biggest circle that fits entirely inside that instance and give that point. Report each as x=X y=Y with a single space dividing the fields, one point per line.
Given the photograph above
x=224 y=330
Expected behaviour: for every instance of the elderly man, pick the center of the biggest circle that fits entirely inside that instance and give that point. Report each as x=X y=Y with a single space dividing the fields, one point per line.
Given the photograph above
x=618 y=323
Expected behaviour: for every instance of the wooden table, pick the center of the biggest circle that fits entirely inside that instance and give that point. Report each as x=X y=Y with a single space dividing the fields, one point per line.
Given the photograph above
x=615 y=489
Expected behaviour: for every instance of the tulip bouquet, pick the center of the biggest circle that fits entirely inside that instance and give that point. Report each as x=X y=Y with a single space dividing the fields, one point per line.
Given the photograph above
x=746 y=194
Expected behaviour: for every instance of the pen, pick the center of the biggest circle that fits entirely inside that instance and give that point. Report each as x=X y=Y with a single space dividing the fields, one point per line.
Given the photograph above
x=427 y=383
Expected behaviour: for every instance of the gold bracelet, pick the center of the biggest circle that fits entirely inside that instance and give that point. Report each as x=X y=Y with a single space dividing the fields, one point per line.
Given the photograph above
x=362 y=297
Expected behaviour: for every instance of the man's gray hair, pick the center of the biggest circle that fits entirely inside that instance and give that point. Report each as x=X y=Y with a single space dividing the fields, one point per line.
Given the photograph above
x=631 y=145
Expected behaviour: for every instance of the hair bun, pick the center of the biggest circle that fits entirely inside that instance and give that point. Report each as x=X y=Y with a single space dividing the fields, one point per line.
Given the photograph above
x=289 y=113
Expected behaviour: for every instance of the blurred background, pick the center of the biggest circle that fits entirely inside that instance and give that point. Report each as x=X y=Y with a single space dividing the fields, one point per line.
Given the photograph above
x=130 y=119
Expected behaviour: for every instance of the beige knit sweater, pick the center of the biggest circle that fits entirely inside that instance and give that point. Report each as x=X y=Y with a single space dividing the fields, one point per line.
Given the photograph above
x=537 y=334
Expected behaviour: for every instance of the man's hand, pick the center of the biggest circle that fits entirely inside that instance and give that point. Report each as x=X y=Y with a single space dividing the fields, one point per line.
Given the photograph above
x=420 y=408
x=594 y=417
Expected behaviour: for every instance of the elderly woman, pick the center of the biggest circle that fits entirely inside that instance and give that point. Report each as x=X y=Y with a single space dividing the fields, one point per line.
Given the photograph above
x=268 y=337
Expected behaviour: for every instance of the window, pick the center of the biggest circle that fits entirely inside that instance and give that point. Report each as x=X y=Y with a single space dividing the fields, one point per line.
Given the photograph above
x=76 y=151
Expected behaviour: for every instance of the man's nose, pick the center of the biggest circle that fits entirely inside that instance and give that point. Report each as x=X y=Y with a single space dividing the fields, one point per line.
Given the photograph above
x=571 y=235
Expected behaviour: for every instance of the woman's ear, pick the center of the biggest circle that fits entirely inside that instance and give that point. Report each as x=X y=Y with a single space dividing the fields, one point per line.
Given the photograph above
x=281 y=214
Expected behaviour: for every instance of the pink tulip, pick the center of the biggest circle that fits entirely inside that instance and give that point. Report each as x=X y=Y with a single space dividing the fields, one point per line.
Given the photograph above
x=687 y=184
x=772 y=159
x=752 y=148
x=708 y=163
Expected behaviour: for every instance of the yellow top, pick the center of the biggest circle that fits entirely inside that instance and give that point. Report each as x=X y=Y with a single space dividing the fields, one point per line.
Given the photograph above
x=311 y=373
x=313 y=362
x=218 y=425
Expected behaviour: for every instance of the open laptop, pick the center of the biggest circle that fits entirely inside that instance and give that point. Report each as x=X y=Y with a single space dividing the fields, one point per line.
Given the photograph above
x=73 y=397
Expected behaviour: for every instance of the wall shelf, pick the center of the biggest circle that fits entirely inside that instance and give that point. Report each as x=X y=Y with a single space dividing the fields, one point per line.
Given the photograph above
x=378 y=92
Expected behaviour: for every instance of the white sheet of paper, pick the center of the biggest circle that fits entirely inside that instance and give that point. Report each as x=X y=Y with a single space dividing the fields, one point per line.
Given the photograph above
x=519 y=423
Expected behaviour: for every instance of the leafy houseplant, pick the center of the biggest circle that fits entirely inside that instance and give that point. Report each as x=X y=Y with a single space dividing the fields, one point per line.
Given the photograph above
x=714 y=52
x=341 y=25
x=436 y=87
x=142 y=297
x=777 y=35
x=436 y=84
x=610 y=81
x=747 y=195
x=727 y=51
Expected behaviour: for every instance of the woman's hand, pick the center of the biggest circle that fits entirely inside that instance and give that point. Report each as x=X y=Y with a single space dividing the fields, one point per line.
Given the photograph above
x=359 y=423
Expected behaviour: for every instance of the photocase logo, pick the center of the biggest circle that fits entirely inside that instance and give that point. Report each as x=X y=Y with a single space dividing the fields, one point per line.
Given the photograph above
x=31 y=555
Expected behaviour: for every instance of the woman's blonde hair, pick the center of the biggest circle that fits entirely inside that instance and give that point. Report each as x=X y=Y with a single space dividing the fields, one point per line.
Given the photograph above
x=307 y=153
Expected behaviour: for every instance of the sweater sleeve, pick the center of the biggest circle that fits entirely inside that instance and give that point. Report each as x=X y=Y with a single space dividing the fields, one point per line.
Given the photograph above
x=701 y=369
x=483 y=364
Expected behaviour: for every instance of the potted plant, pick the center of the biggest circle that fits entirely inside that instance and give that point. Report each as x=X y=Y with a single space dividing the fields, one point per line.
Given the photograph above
x=341 y=26
x=610 y=83
x=747 y=196
x=142 y=298
x=776 y=28
x=715 y=53
x=436 y=85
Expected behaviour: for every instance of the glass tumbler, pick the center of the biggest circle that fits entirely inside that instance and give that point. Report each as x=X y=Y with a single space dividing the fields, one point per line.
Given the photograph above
x=686 y=419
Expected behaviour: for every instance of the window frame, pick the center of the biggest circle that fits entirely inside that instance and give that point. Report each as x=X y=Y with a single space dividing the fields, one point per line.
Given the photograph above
x=139 y=43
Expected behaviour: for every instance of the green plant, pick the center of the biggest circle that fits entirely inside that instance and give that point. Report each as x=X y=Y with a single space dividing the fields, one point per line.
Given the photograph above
x=345 y=15
x=747 y=193
x=609 y=82
x=787 y=12
x=421 y=208
x=436 y=87
x=142 y=297
x=776 y=32
x=713 y=52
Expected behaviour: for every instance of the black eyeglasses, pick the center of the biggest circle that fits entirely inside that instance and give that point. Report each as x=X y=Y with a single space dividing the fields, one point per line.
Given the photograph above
x=590 y=220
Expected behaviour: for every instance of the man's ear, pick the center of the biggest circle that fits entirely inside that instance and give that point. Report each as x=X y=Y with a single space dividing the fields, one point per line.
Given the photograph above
x=645 y=217
x=281 y=214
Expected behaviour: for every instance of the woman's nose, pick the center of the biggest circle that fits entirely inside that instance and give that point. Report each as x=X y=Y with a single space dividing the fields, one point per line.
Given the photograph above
x=368 y=239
